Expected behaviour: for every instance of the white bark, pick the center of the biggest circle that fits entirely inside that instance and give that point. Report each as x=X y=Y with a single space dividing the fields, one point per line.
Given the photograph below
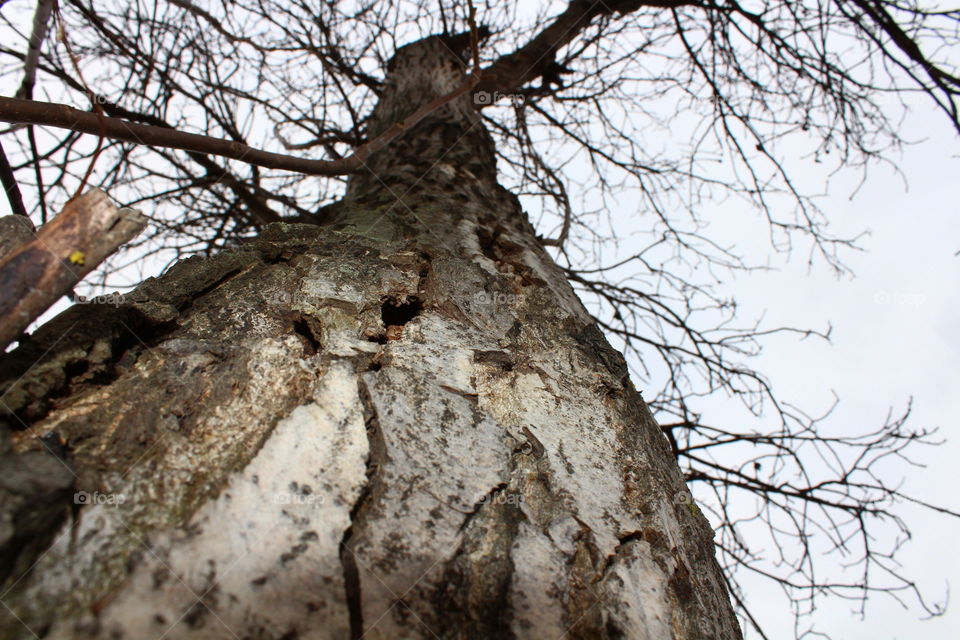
x=477 y=466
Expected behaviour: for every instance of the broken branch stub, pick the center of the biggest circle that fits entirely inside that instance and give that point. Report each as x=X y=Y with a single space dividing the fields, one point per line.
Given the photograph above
x=40 y=271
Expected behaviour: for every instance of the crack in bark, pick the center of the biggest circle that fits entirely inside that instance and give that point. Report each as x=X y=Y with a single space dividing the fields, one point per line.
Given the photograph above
x=216 y=284
x=351 y=573
x=348 y=559
x=477 y=577
x=488 y=498
x=622 y=541
x=479 y=574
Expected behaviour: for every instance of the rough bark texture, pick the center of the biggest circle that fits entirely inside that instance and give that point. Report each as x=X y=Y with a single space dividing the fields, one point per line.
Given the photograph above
x=397 y=423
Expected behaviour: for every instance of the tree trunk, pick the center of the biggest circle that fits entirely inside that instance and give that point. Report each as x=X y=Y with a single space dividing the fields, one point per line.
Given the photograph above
x=397 y=423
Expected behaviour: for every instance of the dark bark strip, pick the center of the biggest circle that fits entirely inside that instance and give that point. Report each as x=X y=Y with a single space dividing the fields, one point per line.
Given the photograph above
x=351 y=572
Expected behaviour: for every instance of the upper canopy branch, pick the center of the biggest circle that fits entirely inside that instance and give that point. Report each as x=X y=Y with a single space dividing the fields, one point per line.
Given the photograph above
x=506 y=74
x=536 y=58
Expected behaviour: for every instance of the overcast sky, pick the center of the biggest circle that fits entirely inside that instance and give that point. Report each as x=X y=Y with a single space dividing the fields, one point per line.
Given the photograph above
x=895 y=336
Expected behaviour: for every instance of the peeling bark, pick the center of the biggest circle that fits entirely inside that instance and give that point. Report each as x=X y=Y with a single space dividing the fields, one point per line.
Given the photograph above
x=397 y=423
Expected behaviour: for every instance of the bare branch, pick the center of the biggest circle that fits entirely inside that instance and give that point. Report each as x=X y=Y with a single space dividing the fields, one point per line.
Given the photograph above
x=41 y=21
x=66 y=117
x=10 y=186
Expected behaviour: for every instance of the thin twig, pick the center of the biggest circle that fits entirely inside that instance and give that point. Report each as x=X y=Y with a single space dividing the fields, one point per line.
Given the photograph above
x=474 y=37
x=62 y=36
x=10 y=186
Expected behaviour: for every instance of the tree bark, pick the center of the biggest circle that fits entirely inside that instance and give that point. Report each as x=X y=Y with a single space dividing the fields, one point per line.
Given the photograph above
x=399 y=422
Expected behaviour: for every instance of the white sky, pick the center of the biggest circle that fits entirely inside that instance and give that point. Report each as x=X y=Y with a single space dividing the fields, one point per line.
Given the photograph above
x=895 y=336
